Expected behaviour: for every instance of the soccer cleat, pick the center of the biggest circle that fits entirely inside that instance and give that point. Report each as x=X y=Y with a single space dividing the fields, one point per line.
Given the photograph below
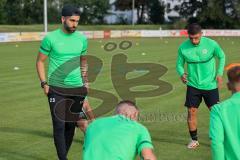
x=192 y=144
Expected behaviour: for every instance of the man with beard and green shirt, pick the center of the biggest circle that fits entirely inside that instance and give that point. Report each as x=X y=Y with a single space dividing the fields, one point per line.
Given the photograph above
x=66 y=84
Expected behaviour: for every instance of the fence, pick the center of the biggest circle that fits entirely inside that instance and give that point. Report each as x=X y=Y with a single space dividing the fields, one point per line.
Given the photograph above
x=37 y=36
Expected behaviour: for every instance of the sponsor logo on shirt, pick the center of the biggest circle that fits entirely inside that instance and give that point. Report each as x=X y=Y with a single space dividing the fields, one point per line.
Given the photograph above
x=204 y=51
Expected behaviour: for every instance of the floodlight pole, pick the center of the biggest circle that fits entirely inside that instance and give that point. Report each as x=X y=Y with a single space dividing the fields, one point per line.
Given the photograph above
x=133 y=6
x=45 y=17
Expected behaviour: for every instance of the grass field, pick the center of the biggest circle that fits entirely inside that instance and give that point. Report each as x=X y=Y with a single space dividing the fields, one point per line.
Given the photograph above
x=25 y=123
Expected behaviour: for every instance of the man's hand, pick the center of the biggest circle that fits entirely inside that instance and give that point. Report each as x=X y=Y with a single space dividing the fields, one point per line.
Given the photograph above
x=219 y=81
x=83 y=123
x=184 y=78
x=88 y=110
x=46 y=89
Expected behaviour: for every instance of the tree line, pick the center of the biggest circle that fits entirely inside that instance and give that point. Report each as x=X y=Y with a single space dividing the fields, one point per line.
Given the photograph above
x=209 y=13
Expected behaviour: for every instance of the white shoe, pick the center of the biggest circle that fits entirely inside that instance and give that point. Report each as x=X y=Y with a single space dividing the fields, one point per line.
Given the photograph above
x=192 y=144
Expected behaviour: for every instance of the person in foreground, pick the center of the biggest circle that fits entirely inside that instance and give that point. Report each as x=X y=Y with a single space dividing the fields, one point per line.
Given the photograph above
x=118 y=137
x=225 y=121
x=201 y=77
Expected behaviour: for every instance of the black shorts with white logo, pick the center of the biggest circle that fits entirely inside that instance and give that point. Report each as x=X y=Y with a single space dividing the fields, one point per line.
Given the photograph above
x=194 y=97
x=66 y=103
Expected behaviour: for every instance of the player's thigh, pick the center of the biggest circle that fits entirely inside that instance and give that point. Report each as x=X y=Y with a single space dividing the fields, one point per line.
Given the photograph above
x=54 y=100
x=193 y=97
x=211 y=97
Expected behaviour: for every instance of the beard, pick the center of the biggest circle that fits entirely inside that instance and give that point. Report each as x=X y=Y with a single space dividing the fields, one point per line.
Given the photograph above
x=69 y=29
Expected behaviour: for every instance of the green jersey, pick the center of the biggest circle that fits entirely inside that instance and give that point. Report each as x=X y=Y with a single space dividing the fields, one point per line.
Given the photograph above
x=64 y=51
x=115 y=138
x=225 y=129
x=201 y=65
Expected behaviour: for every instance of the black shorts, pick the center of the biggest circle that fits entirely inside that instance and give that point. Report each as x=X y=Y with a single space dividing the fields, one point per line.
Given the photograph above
x=194 y=97
x=66 y=103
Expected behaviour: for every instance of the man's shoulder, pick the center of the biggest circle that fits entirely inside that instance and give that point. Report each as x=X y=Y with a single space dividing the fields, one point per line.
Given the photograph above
x=103 y=120
x=185 y=43
x=141 y=127
x=100 y=119
x=119 y=118
x=81 y=35
x=52 y=34
x=209 y=40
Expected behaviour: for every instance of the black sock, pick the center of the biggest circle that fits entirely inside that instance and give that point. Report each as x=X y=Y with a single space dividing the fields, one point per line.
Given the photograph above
x=193 y=135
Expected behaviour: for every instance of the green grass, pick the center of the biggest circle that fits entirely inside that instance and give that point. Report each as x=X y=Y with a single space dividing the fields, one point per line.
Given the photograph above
x=25 y=123
x=40 y=28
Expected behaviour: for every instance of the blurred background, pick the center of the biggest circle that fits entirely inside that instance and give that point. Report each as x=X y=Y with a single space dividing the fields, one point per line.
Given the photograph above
x=171 y=14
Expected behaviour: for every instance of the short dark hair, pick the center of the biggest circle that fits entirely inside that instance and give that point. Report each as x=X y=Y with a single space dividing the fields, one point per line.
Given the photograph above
x=194 y=28
x=70 y=10
x=128 y=102
x=234 y=74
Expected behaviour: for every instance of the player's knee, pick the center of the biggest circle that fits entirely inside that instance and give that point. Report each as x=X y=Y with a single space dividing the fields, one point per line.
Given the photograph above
x=192 y=111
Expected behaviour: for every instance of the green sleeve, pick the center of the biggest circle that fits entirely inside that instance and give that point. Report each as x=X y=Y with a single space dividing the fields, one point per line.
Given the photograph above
x=221 y=57
x=216 y=134
x=85 y=46
x=45 y=47
x=144 y=140
x=180 y=63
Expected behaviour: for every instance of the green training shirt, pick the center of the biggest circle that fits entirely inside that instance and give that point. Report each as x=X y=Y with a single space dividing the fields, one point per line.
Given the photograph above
x=115 y=138
x=201 y=65
x=225 y=129
x=64 y=51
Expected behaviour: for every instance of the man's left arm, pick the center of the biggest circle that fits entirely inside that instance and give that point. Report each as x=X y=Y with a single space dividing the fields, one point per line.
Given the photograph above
x=84 y=74
x=84 y=70
x=144 y=145
x=83 y=62
x=219 y=53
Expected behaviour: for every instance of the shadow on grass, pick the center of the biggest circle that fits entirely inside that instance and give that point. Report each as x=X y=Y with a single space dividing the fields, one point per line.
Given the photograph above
x=32 y=132
x=165 y=137
x=10 y=155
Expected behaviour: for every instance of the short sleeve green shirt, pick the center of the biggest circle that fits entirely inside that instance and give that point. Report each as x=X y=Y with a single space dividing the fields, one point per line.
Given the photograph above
x=64 y=52
x=115 y=138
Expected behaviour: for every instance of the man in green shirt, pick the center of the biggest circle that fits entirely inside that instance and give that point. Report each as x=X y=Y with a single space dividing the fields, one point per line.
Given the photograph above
x=67 y=83
x=118 y=137
x=225 y=122
x=202 y=78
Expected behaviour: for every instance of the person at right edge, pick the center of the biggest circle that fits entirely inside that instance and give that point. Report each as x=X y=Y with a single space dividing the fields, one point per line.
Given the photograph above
x=201 y=76
x=225 y=121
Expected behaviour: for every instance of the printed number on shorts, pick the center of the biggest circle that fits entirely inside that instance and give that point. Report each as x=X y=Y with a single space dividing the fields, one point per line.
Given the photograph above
x=52 y=100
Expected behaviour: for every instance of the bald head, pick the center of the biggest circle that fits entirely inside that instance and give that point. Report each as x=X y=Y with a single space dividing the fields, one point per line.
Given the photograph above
x=128 y=109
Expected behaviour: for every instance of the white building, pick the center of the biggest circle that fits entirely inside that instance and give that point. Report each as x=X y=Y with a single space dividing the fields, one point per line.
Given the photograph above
x=116 y=16
x=169 y=10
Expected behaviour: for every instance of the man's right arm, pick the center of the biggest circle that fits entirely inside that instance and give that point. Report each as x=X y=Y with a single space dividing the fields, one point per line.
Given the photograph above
x=41 y=70
x=180 y=66
x=44 y=51
x=180 y=63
